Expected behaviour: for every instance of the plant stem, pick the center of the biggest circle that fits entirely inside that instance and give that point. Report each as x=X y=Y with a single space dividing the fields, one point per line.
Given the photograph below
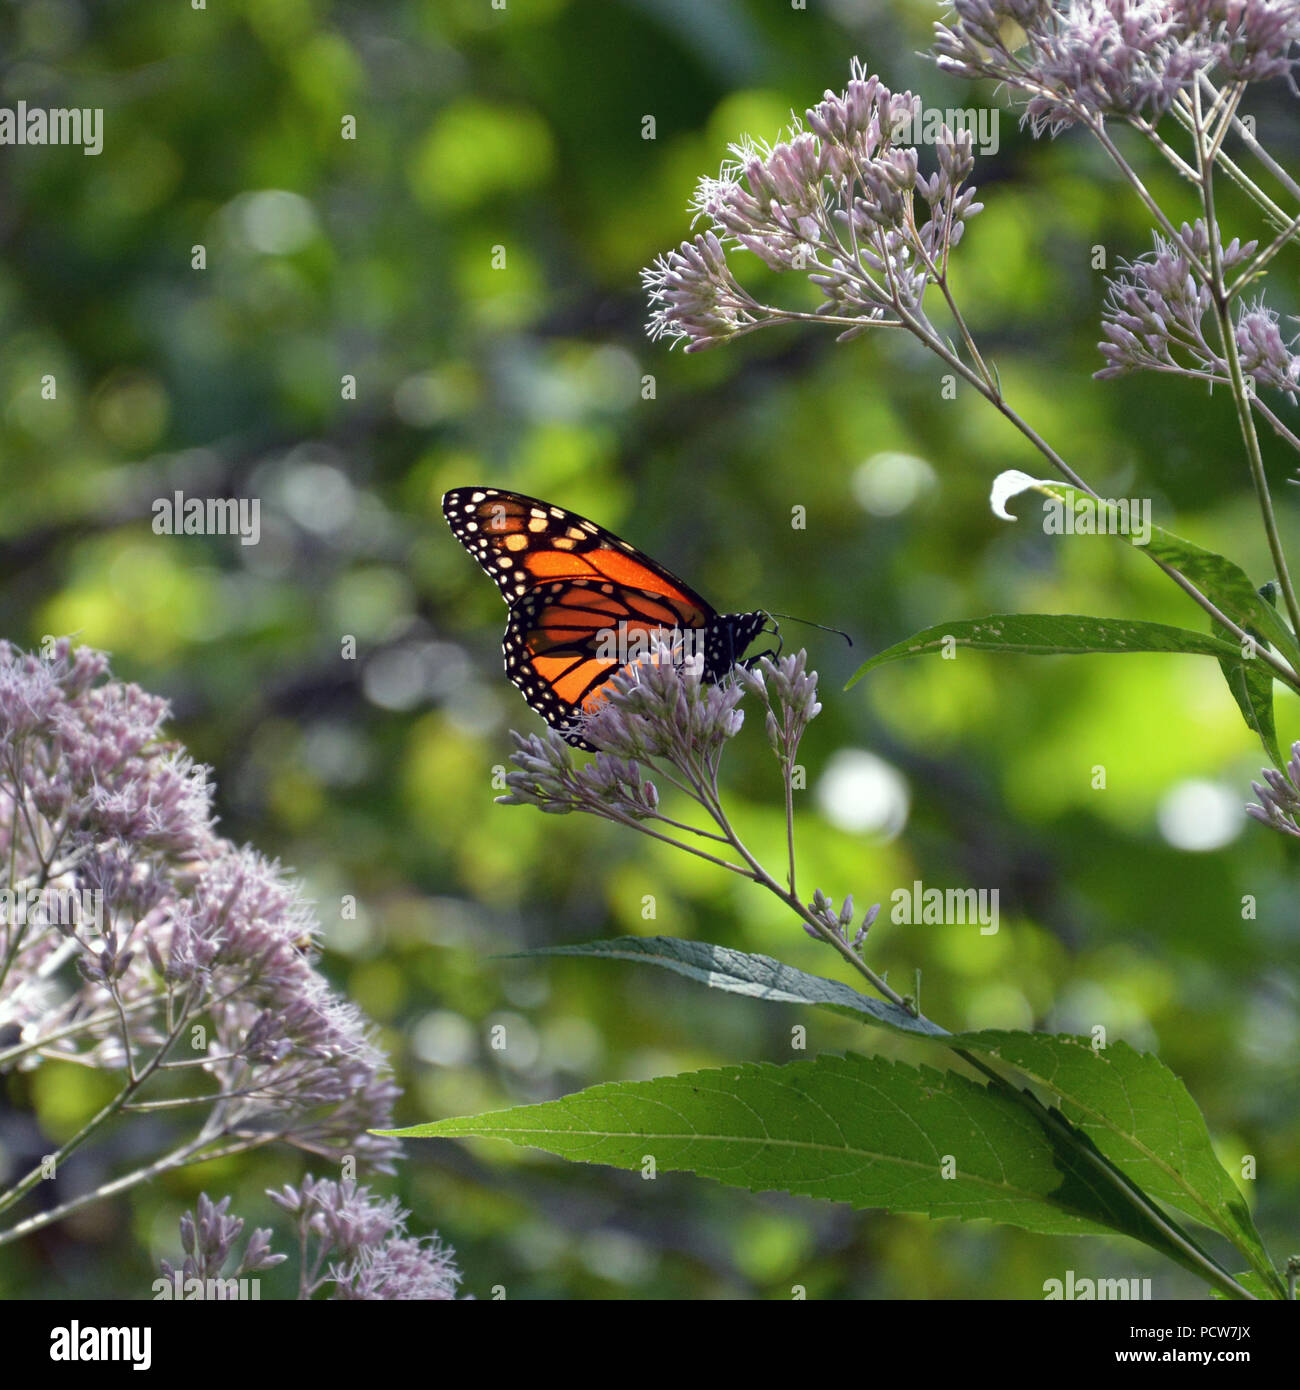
x=1098 y=128
x=1271 y=210
x=1262 y=258
x=676 y=844
x=1228 y=337
x=995 y=398
x=188 y=1153
x=1251 y=142
x=786 y=769
x=1166 y=151
x=1280 y=429
x=1187 y=1253
x=83 y=1025
x=26 y=1183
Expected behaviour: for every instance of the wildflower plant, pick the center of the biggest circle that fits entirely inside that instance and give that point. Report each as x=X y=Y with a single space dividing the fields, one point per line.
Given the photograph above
x=208 y=1236
x=664 y=724
x=844 y=1128
x=1033 y=1129
x=841 y=202
x=351 y=1245
x=138 y=942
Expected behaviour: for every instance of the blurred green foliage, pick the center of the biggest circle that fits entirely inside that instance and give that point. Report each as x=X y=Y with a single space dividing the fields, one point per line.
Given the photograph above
x=522 y=129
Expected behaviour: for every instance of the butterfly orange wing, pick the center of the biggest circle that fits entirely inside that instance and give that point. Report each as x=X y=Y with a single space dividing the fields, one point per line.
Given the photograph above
x=522 y=542
x=570 y=584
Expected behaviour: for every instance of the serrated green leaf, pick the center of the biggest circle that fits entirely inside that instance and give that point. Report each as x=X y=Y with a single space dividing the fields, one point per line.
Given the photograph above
x=1226 y=584
x=1142 y=1118
x=1148 y=1125
x=741 y=972
x=1053 y=634
x=861 y=1130
x=1229 y=588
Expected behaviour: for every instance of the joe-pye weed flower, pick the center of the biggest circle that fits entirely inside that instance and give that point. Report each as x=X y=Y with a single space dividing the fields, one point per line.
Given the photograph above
x=663 y=725
x=136 y=940
x=842 y=202
x=351 y=1244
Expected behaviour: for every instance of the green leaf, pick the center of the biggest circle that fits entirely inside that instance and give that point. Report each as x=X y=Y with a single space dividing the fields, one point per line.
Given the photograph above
x=1252 y=1283
x=1224 y=583
x=1136 y=1111
x=1048 y=634
x=1141 y=1116
x=861 y=1130
x=1251 y=684
x=1229 y=588
x=740 y=972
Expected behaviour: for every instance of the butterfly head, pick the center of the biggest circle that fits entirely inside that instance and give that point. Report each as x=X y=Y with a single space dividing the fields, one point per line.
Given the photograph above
x=730 y=636
x=744 y=628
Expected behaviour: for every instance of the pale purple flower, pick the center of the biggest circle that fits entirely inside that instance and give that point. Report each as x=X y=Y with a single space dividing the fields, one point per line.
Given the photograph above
x=698 y=297
x=351 y=1243
x=1155 y=318
x=791 y=703
x=208 y=1236
x=868 y=922
x=663 y=706
x=1279 y=796
x=661 y=721
x=841 y=200
x=838 y=923
x=658 y=709
x=1078 y=60
x=176 y=929
x=405 y=1268
x=357 y=1242
x=547 y=778
x=1253 y=40
x=1265 y=355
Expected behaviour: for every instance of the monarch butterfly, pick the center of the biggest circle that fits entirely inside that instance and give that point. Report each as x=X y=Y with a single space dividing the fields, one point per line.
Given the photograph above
x=583 y=603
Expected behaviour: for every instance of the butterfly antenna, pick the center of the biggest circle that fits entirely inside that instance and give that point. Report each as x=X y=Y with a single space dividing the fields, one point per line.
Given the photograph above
x=809 y=623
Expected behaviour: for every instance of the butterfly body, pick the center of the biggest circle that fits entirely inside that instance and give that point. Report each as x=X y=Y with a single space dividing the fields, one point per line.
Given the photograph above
x=583 y=603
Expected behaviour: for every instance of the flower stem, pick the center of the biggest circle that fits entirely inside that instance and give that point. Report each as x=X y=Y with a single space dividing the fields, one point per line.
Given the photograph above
x=25 y=1184
x=1098 y=127
x=995 y=398
x=1227 y=334
x=1279 y=428
x=1251 y=142
x=89 y=1024
x=188 y=1153
x=1185 y=1250
x=1262 y=258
